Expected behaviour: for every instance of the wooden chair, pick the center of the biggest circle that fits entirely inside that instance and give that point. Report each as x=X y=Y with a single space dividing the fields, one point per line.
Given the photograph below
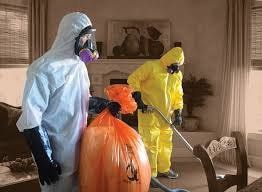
x=213 y=148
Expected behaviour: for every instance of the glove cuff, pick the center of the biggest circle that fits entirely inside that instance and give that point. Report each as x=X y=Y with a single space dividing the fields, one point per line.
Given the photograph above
x=138 y=98
x=38 y=141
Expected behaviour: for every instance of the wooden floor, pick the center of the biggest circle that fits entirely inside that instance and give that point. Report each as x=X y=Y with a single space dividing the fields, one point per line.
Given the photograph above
x=192 y=177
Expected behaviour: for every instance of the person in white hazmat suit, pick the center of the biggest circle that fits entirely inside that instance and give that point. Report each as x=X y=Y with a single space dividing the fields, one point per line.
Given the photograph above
x=56 y=102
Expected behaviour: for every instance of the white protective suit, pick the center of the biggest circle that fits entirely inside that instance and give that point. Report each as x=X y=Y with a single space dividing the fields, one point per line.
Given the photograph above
x=56 y=97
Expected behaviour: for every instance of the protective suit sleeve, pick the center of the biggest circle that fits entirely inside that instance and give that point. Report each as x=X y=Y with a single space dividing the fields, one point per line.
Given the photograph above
x=35 y=101
x=139 y=75
x=178 y=99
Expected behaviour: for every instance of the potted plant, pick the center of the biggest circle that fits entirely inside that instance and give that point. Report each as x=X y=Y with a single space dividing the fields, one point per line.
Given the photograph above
x=195 y=93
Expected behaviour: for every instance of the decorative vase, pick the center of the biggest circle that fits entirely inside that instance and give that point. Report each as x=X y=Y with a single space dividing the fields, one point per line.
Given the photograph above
x=155 y=48
x=191 y=123
x=130 y=46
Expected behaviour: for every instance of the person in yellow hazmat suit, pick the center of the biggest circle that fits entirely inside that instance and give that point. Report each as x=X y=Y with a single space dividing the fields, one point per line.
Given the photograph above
x=158 y=83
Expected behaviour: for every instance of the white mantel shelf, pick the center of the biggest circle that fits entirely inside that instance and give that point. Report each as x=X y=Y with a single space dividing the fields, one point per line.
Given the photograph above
x=119 y=61
x=104 y=66
x=102 y=70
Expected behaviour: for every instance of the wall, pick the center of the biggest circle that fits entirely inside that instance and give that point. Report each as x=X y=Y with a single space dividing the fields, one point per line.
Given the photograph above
x=254 y=104
x=254 y=143
x=12 y=82
x=199 y=25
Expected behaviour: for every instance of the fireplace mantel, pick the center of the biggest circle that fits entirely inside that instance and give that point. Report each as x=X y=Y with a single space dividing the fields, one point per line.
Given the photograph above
x=101 y=71
x=104 y=66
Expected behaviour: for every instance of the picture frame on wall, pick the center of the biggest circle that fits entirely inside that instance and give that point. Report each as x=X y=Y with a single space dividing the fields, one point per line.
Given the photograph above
x=138 y=39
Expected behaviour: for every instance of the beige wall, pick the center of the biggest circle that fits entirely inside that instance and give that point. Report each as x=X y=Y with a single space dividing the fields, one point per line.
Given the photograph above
x=198 y=24
x=254 y=104
x=12 y=82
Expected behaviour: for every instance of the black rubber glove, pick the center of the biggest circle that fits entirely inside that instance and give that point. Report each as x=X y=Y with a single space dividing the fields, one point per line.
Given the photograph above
x=178 y=118
x=173 y=68
x=140 y=104
x=48 y=168
x=114 y=108
x=97 y=104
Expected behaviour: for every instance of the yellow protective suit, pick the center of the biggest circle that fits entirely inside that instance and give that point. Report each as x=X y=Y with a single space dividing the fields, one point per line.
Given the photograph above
x=164 y=91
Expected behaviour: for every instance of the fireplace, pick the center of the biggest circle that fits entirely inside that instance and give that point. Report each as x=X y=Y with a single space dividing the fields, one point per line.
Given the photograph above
x=118 y=81
x=104 y=72
x=101 y=71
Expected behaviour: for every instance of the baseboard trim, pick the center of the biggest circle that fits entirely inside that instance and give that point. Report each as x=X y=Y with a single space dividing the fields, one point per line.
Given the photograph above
x=255 y=161
x=252 y=172
x=185 y=159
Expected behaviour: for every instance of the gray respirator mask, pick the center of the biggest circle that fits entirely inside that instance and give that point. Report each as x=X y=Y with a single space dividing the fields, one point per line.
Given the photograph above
x=173 y=68
x=85 y=45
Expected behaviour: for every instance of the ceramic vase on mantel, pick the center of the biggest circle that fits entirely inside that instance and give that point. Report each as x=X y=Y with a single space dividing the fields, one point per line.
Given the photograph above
x=191 y=123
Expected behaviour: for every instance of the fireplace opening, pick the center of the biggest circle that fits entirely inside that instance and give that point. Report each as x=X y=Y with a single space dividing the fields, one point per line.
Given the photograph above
x=130 y=119
x=118 y=81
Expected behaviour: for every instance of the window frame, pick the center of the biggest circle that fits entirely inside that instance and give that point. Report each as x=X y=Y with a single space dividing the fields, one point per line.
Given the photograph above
x=23 y=7
x=256 y=64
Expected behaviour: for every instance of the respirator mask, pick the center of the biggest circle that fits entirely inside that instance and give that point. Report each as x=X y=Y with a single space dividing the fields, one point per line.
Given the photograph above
x=173 y=68
x=85 y=45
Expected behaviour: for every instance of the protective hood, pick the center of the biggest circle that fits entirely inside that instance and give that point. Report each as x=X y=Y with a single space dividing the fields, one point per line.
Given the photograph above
x=60 y=62
x=69 y=28
x=175 y=55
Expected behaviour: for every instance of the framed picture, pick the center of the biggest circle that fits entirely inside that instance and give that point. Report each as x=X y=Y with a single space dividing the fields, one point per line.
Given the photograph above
x=138 y=38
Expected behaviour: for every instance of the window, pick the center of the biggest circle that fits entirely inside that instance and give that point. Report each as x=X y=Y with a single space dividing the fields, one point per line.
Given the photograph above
x=254 y=94
x=13 y=34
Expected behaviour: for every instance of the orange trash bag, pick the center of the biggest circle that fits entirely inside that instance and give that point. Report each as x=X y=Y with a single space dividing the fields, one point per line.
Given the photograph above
x=112 y=156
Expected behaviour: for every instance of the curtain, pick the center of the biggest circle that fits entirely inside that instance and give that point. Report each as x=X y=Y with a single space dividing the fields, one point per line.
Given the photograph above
x=37 y=28
x=235 y=71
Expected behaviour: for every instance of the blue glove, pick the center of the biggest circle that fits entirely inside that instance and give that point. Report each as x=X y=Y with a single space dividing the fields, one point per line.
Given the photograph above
x=48 y=168
x=114 y=108
x=98 y=104
x=140 y=104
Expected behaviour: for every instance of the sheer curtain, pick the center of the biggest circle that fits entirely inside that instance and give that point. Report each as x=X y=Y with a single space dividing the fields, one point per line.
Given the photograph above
x=235 y=70
x=37 y=28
